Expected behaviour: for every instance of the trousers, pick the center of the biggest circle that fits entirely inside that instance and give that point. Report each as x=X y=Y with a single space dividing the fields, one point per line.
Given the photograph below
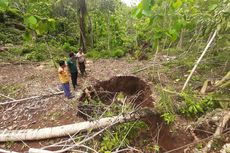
x=66 y=89
x=74 y=79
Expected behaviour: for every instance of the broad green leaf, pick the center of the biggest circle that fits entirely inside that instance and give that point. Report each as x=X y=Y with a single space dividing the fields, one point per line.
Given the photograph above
x=137 y=13
x=212 y=7
x=177 y=4
x=147 y=13
x=31 y=22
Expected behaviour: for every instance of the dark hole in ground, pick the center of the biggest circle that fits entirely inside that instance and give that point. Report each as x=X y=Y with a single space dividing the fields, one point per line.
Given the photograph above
x=133 y=89
x=129 y=85
x=139 y=93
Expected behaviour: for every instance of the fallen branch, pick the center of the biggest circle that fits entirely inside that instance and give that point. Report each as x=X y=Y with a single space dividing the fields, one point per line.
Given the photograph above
x=65 y=130
x=198 y=61
x=6 y=96
x=81 y=142
x=34 y=150
x=218 y=132
x=224 y=82
x=204 y=87
x=29 y=98
x=6 y=151
x=147 y=67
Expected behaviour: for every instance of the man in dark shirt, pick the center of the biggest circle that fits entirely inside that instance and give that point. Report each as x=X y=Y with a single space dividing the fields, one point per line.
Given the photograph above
x=72 y=65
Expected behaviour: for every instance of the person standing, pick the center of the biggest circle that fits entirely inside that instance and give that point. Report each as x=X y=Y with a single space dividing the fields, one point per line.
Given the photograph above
x=72 y=65
x=64 y=79
x=81 y=61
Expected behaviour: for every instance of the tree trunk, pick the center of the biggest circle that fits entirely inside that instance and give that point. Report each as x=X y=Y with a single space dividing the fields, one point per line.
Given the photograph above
x=82 y=13
x=91 y=32
x=65 y=130
x=180 y=43
x=108 y=31
x=224 y=82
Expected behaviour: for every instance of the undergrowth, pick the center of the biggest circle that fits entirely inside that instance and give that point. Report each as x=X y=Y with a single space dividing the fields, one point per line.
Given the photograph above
x=114 y=53
x=194 y=106
x=120 y=136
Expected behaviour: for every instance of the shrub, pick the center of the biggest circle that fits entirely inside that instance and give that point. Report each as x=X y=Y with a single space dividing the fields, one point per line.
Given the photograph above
x=93 y=54
x=120 y=135
x=67 y=47
x=105 y=54
x=118 y=53
x=35 y=56
x=194 y=106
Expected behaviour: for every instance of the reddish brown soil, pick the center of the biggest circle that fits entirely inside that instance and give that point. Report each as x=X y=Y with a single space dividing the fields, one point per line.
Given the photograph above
x=20 y=81
x=158 y=132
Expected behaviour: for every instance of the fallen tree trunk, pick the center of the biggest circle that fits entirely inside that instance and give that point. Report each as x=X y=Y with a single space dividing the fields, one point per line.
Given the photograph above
x=65 y=130
x=34 y=150
x=29 y=98
x=218 y=132
x=224 y=82
x=6 y=151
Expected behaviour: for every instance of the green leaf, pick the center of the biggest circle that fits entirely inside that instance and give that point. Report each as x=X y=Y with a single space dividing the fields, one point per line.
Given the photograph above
x=27 y=36
x=137 y=13
x=42 y=28
x=4 y=4
x=147 y=13
x=157 y=35
x=31 y=22
x=212 y=7
x=172 y=33
x=199 y=108
x=177 y=4
x=146 y=4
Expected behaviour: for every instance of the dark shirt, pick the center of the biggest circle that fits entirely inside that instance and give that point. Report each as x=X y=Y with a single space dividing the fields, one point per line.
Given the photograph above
x=72 y=64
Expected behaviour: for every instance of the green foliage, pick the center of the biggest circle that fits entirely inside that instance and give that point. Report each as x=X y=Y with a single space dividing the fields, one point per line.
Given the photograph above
x=166 y=107
x=156 y=148
x=199 y=146
x=165 y=104
x=4 y=4
x=68 y=48
x=37 y=52
x=117 y=53
x=10 y=35
x=120 y=135
x=157 y=24
x=168 y=117
x=35 y=56
x=93 y=54
x=194 y=106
